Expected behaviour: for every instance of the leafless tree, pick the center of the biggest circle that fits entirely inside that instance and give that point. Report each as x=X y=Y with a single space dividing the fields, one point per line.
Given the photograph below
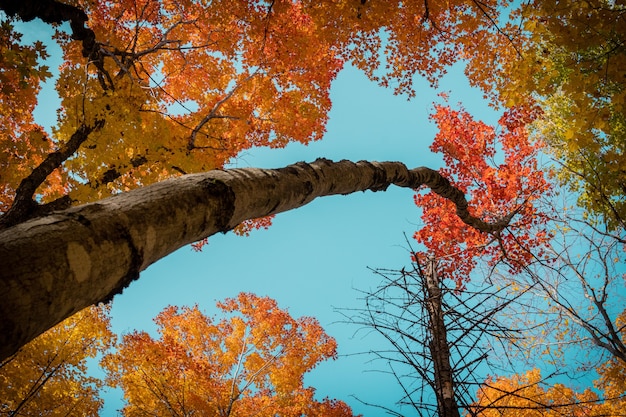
x=440 y=336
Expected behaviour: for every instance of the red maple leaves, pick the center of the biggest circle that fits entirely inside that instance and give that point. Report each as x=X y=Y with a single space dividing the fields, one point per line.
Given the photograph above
x=498 y=169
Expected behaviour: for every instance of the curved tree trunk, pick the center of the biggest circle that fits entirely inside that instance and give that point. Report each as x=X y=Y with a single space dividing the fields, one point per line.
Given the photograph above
x=58 y=264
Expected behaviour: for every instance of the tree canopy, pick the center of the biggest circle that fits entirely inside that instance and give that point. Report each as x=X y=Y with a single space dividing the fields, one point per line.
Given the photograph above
x=151 y=90
x=130 y=117
x=157 y=96
x=250 y=362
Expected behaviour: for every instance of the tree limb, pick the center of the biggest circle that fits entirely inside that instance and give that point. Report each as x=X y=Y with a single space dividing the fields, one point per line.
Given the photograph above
x=24 y=207
x=58 y=264
x=52 y=11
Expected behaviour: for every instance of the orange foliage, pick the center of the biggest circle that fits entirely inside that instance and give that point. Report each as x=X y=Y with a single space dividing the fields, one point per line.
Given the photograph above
x=23 y=144
x=243 y=229
x=184 y=86
x=499 y=182
x=251 y=363
x=613 y=376
x=525 y=396
x=393 y=41
x=248 y=226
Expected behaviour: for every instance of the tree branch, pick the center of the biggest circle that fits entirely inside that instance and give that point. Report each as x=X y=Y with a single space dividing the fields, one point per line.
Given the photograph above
x=58 y=264
x=51 y=11
x=24 y=207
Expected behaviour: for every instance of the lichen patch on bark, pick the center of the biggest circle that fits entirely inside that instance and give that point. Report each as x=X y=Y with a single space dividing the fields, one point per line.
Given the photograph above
x=79 y=261
x=47 y=279
x=151 y=240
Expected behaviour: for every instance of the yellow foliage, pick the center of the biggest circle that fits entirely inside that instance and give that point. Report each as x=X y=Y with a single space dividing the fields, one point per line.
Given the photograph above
x=613 y=377
x=49 y=377
x=528 y=396
x=573 y=56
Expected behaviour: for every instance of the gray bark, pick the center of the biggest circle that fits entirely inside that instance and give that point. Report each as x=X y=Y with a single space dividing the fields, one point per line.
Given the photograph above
x=60 y=263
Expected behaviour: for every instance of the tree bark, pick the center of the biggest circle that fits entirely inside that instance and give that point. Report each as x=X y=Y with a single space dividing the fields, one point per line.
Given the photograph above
x=439 y=346
x=58 y=264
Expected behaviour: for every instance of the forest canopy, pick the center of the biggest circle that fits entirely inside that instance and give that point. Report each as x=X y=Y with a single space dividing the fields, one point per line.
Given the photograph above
x=158 y=96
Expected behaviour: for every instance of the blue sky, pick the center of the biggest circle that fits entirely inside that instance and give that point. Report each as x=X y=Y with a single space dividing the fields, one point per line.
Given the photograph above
x=313 y=260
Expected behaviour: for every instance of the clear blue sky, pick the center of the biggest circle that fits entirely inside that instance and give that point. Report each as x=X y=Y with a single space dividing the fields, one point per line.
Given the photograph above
x=312 y=260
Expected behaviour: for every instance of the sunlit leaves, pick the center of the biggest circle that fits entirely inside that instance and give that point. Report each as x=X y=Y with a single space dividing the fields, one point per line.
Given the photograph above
x=590 y=152
x=185 y=86
x=528 y=396
x=250 y=363
x=613 y=376
x=22 y=141
x=572 y=63
x=48 y=376
x=393 y=41
x=181 y=87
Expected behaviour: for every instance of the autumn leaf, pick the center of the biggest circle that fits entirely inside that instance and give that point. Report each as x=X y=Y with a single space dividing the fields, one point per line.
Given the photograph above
x=570 y=62
x=528 y=395
x=23 y=142
x=176 y=87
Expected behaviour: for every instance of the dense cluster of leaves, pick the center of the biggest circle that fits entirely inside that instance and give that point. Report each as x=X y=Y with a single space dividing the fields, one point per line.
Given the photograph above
x=526 y=396
x=251 y=362
x=175 y=87
x=499 y=169
x=202 y=81
x=393 y=41
x=48 y=377
x=529 y=395
x=23 y=143
x=181 y=86
x=573 y=59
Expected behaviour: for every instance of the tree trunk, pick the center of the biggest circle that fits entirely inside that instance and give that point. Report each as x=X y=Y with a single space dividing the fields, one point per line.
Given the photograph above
x=58 y=264
x=439 y=347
